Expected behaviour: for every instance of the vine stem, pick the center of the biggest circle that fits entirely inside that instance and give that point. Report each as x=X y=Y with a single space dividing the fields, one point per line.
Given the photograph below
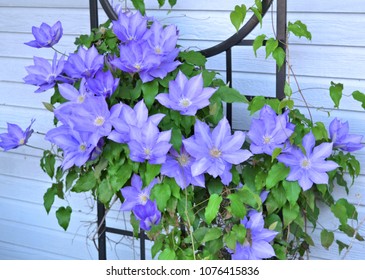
x=189 y=224
x=34 y=147
x=57 y=51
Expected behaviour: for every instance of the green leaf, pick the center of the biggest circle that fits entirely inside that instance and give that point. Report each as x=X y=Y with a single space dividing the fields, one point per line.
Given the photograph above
x=71 y=176
x=212 y=208
x=341 y=246
x=152 y=170
x=320 y=131
x=275 y=153
x=299 y=29
x=231 y=95
x=279 y=195
x=215 y=186
x=336 y=93
x=287 y=90
x=256 y=104
x=340 y=212
x=279 y=56
x=249 y=197
x=157 y=245
x=139 y=5
x=208 y=77
x=351 y=232
x=161 y=193
x=172 y=3
x=161 y=3
x=230 y=240
x=238 y=15
x=85 y=183
x=236 y=207
x=167 y=254
x=194 y=58
x=105 y=192
x=327 y=238
x=277 y=173
x=359 y=96
x=150 y=90
x=271 y=45
x=119 y=175
x=48 y=162
x=290 y=213
x=212 y=234
x=286 y=103
x=63 y=216
x=292 y=191
x=48 y=198
x=258 y=14
x=240 y=232
x=176 y=138
x=48 y=106
x=258 y=42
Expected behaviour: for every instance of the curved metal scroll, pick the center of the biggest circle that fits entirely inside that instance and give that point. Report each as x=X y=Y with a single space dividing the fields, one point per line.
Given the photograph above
x=221 y=47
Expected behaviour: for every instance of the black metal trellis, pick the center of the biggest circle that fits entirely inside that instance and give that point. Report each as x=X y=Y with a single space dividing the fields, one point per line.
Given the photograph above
x=238 y=39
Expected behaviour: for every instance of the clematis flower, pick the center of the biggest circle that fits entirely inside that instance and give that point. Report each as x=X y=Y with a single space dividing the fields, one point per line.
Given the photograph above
x=136 y=58
x=216 y=151
x=257 y=244
x=90 y=116
x=103 y=84
x=148 y=143
x=134 y=195
x=124 y=118
x=310 y=167
x=339 y=133
x=147 y=214
x=130 y=26
x=84 y=63
x=269 y=132
x=43 y=74
x=46 y=36
x=15 y=136
x=178 y=166
x=77 y=147
x=186 y=96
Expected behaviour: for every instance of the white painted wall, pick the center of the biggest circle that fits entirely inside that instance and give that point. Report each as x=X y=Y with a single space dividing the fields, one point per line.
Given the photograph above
x=336 y=53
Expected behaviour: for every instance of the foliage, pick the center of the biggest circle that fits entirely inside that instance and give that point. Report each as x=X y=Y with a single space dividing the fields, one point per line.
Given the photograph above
x=198 y=190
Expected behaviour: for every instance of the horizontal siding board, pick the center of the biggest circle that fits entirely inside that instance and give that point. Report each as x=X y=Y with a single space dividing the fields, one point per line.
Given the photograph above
x=293 y=5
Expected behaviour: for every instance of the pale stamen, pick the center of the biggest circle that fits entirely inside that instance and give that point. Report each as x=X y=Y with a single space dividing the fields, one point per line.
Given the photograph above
x=183 y=160
x=99 y=121
x=215 y=152
x=185 y=102
x=306 y=164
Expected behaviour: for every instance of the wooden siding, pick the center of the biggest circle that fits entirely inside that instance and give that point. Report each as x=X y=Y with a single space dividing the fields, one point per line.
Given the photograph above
x=336 y=53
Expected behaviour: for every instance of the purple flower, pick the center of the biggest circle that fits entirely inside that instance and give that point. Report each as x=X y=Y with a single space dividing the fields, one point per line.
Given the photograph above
x=15 y=136
x=339 y=133
x=178 y=166
x=186 y=96
x=134 y=195
x=124 y=118
x=148 y=143
x=269 y=132
x=130 y=26
x=147 y=214
x=84 y=63
x=216 y=151
x=138 y=58
x=310 y=167
x=46 y=36
x=70 y=93
x=76 y=145
x=103 y=84
x=257 y=244
x=90 y=116
x=43 y=74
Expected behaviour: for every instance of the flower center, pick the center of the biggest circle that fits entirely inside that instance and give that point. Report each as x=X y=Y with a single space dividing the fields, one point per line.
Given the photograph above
x=147 y=153
x=80 y=98
x=137 y=66
x=306 y=164
x=99 y=121
x=22 y=141
x=158 y=50
x=267 y=139
x=185 y=102
x=82 y=147
x=183 y=160
x=215 y=152
x=143 y=198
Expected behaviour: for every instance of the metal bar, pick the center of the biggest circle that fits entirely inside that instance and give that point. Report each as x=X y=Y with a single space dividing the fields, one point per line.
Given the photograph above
x=229 y=81
x=282 y=37
x=142 y=242
x=94 y=18
x=101 y=232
